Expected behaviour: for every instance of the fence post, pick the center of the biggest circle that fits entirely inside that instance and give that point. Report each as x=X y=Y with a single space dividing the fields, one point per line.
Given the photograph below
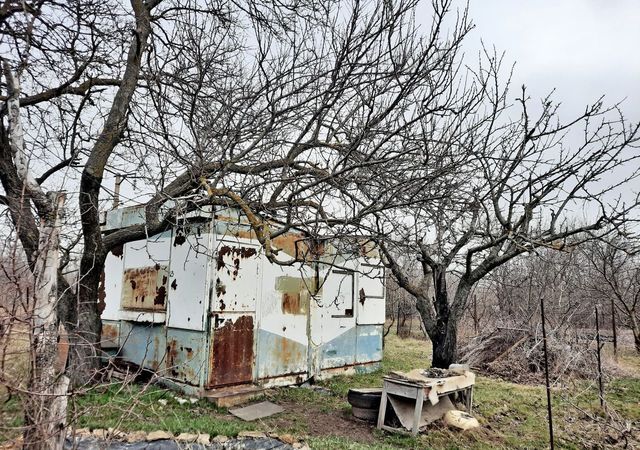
x=546 y=374
x=600 y=388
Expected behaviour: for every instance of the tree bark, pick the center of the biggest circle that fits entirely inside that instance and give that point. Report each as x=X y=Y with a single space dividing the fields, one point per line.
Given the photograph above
x=635 y=328
x=46 y=407
x=443 y=331
x=85 y=357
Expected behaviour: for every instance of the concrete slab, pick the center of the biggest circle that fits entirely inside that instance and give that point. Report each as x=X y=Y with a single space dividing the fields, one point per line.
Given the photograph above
x=257 y=411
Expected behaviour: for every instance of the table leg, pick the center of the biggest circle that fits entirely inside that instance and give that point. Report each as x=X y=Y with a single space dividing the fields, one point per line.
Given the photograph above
x=469 y=398
x=383 y=408
x=417 y=414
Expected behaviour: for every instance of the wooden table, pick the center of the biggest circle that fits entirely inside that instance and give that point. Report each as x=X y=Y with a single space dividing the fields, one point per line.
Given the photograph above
x=418 y=392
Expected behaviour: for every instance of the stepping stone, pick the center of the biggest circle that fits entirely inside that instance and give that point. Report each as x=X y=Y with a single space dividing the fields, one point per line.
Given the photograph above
x=257 y=411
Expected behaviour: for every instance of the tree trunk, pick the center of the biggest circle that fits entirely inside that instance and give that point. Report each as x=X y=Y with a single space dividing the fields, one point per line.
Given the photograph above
x=443 y=328
x=45 y=409
x=85 y=354
x=444 y=343
x=635 y=328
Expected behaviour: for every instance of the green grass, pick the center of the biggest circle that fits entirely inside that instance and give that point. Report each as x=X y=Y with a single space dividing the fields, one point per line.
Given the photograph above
x=511 y=415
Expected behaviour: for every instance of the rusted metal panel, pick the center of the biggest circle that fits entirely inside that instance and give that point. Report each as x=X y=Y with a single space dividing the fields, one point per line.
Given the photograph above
x=110 y=337
x=232 y=355
x=280 y=356
x=237 y=277
x=186 y=356
x=282 y=339
x=295 y=293
x=145 y=288
x=189 y=277
x=143 y=344
x=145 y=277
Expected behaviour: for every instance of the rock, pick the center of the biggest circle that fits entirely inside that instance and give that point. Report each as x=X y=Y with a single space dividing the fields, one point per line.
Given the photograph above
x=158 y=435
x=181 y=400
x=461 y=420
x=193 y=400
x=220 y=439
x=187 y=437
x=99 y=433
x=80 y=432
x=136 y=436
x=251 y=434
x=288 y=439
x=163 y=402
x=203 y=438
x=116 y=434
x=301 y=446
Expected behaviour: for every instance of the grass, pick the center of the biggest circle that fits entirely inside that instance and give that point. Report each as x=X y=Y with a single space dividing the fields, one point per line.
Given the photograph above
x=511 y=415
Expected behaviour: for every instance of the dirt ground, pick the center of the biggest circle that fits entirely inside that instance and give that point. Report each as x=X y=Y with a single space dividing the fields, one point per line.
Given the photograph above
x=335 y=423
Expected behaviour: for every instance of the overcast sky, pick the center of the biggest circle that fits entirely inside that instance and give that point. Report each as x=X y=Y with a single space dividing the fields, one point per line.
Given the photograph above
x=584 y=48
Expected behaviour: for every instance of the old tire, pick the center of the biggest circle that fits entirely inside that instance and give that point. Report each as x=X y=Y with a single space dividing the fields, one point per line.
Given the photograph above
x=365 y=398
x=370 y=415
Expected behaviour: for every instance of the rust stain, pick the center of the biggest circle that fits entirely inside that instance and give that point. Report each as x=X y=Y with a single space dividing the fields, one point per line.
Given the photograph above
x=285 y=356
x=118 y=251
x=232 y=353
x=293 y=244
x=154 y=362
x=296 y=245
x=109 y=332
x=291 y=303
x=368 y=248
x=102 y=294
x=172 y=357
x=181 y=237
x=363 y=296
x=236 y=253
x=145 y=288
x=161 y=294
x=221 y=289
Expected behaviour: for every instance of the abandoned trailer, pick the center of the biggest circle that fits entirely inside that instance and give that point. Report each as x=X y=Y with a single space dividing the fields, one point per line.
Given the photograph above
x=203 y=307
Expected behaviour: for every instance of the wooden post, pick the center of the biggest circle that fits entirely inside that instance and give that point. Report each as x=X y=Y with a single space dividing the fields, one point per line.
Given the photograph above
x=475 y=314
x=546 y=374
x=613 y=326
x=398 y=323
x=600 y=387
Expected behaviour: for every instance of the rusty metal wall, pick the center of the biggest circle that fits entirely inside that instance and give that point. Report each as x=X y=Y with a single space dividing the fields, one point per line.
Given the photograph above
x=233 y=317
x=283 y=313
x=232 y=349
x=145 y=288
x=143 y=344
x=189 y=279
x=146 y=275
x=186 y=356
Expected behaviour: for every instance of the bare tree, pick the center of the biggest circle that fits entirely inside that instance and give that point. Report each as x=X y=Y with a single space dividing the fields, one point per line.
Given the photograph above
x=614 y=279
x=286 y=111
x=518 y=185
